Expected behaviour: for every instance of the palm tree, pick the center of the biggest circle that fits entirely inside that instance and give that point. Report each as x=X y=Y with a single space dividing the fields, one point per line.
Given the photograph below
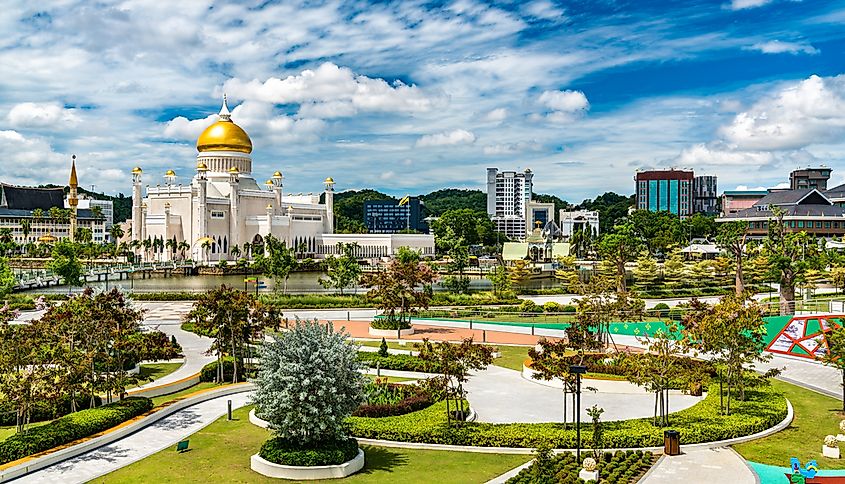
x=116 y=232
x=171 y=246
x=206 y=244
x=182 y=247
x=97 y=212
x=235 y=251
x=147 y=244
x=26 y=228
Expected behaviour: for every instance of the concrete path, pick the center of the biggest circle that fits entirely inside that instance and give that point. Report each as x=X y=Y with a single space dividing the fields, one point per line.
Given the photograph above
x=167 y=317
x=147 y=441
x=711 y=465
x=501 y=395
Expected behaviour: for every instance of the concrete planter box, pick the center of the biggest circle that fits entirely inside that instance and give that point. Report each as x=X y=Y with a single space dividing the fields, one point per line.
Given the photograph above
x=257 y=421
x=300 y=473
x=589 y=475
x=831 y=452
x=388 y=333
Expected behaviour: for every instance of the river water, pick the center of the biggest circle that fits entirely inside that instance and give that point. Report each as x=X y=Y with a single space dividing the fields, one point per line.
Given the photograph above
x=298 y=283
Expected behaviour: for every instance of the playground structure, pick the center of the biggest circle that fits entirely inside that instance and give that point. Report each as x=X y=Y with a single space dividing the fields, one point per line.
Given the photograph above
x=805 y=336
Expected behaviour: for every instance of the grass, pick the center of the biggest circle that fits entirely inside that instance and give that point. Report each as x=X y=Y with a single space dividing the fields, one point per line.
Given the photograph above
x=816 y=416
x=153 y=371
x=173 y=396
x=391 y=379
x=221 y=451
x=6 y=432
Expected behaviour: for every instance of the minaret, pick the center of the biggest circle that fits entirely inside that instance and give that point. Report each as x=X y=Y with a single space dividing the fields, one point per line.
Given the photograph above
x=202 y=196
x=234 y=228
x=329 y=182
x=73 y=198
x=136 y=202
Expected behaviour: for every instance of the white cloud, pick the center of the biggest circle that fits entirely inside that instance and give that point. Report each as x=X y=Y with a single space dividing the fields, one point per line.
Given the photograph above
x=33 y=159
x=743 y=4
x=544 y=9
x=512 y=148
x=446 y=138
x=42 y=115
x=181 y=127
x=496 y=115
x=810 y=111
x=779 y=47
x=718 y=154
x=564 y=106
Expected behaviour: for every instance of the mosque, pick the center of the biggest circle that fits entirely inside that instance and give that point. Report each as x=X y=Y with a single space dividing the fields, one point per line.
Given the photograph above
x=225 y=207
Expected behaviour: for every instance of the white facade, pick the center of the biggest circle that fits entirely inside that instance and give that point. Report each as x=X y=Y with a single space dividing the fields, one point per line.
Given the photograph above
x=508 y=195
x=571 y=222
x=375 y=246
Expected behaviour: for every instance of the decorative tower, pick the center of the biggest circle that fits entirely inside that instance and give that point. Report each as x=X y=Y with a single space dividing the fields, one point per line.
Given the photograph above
x=329 y=182
x=73 y=198
x=202 y=196
x=137 y=225
x=234 y=228
x=278 y=186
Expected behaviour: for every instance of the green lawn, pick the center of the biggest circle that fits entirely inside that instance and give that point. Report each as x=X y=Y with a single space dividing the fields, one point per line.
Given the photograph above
x=512 y=357
x=816 y=416
x=391 y=379
x=154 y=371
x=173 y=396
x=6 y=432
x=221 y=452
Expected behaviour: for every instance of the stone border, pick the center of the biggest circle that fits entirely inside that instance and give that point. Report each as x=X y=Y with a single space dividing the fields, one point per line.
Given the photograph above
x=389 y=333
x=309 y=473
x=22 y=467
x=527 y=450
x=258 y=421
x=167 y=388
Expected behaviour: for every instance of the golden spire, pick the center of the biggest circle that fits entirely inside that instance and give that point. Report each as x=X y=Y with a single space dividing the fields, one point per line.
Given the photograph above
x=73 y=181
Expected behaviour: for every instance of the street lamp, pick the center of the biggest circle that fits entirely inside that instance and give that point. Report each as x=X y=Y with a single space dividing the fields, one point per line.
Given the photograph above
x=577 y=370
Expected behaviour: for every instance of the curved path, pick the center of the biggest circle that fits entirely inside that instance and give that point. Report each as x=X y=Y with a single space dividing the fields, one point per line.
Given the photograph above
x=147 y=441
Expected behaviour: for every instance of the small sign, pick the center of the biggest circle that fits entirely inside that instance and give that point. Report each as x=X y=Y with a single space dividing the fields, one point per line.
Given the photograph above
x=182 y=446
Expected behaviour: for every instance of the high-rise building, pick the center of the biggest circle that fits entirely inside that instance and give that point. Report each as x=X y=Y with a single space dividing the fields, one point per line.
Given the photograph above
x=809 y=178
x=665 y=191
x=508 y=195
x=388 y=217
x=705 y=195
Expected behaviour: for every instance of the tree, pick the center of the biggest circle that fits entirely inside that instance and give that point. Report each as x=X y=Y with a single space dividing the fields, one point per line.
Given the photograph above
x=308 y=383
x=463 y=228
x=835 y=354
x=518 y=272
x=232 y=319
x=567 y=273
x=277 y=261
x=26 y=228
x=733 y=333
x=65 y=262
x=698 y=226
x=550 y=360
x=645 y=274
x=790 y=255
x=619 y=248
x=116 y=232
x=658 y=370
x=674 y=270
x=83 y=235
x=732 y=236
x=7 y=278
x=342 y=271
x=659 y=230
x=499 y=279
x=401 y=288
x=612 y=209
x=455 y=361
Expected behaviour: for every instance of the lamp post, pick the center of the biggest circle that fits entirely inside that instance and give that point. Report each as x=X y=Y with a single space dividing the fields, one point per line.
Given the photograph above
x=577 y=370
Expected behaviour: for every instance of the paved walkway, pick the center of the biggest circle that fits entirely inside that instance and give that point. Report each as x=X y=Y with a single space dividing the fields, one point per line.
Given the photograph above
x=147 y=441
x=711 y=465
x=501 y=395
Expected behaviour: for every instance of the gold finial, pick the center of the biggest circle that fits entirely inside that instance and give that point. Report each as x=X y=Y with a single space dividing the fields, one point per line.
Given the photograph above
x=73 y=181
x=201 y=167
x=234 y=171
x=225 y=114
x=137 y=170
x=329 y=181
x=278 y=175
x=170 y=173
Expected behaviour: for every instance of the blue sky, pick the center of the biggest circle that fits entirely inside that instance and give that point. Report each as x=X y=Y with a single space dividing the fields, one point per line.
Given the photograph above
x=407 y=97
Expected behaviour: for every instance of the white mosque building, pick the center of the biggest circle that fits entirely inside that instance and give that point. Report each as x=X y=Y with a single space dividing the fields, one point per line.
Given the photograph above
x=224 y=207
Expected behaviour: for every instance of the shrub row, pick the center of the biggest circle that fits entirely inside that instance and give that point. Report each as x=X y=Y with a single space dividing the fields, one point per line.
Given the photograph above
x=383 y=322
x=621 y=467
x=405 y=406
x=71 y=427
x=609 y=365
x=286 y=452
x=209 y=371
x=397 y=362
x=763 y=409
x=45 y=411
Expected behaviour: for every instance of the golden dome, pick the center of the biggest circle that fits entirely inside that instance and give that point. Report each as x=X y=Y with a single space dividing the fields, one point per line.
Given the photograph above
x=170 y=173
x=137 y=170
x=269 y=183
x=234 y=170
x=329 y=180
x=202 y=167
x=277 y=174
x=224 y=135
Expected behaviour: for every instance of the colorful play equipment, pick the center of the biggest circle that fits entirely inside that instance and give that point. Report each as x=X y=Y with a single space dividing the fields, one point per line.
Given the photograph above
x=805 y=336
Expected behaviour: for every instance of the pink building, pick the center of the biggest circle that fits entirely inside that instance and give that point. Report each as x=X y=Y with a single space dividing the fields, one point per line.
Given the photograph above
x=736 y=200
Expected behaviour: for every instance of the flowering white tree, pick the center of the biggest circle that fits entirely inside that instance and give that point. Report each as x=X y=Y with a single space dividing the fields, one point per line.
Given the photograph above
x=308 y=383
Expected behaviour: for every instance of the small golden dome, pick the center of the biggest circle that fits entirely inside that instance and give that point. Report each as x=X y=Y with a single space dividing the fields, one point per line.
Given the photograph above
x=277 y=174
x=170 y=173
x=201 y=167
x=224 y=135
x=269 y=183
x=270 y=206
x=234 y=171
x=329 y=180
x=137 y=170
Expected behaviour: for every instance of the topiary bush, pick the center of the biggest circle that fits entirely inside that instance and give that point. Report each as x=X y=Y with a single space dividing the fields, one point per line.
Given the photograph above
x=72 y=427
x=319 y=453
x=661 y=309
x=552 y=307
x=621 y=467
x=383 y=322
x=530 y=307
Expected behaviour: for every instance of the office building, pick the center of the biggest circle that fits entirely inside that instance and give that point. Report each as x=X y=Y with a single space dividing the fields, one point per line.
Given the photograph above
x=806 y=210
x=508 y=195
x=705 y=195
x=665 y=191
x=735 y=200
x=809 y=178
x=539 y=214
x=388 y=217
x=578 y=221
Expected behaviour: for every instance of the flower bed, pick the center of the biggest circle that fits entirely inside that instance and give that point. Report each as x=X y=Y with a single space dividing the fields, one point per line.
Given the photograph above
x=71 y=427
x=621 y=467
x=389 y=399
x=763 y=409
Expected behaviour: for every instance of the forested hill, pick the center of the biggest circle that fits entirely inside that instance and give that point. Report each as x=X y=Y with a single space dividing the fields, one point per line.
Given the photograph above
x=441 y=201
x=122 y=204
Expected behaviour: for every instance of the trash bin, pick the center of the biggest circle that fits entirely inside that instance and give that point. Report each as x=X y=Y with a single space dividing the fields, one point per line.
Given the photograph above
x=671 y=442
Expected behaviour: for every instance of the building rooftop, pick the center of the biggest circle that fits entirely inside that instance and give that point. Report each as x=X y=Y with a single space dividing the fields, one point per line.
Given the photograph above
x=26 y=198
x=734 y=193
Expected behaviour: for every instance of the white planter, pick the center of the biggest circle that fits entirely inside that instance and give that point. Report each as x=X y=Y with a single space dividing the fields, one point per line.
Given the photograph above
x=832 y=452
x=840 y=438
x=299 y=473
x=388 y=333
x=258 y=422
x=589 y=475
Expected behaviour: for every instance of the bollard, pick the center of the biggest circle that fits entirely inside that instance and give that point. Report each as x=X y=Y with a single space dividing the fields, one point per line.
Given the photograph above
x=483 y=335
x=347 y=315
x=470 y=324
x=229 y=403
x=378 y=368
x=532 y=330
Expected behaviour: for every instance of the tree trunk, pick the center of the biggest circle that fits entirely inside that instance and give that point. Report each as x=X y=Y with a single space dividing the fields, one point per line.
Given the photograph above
x=564 y=403
x=235 y=361
x=740 y=287
x=787 y=297
x=843 y=389
x=620 y=272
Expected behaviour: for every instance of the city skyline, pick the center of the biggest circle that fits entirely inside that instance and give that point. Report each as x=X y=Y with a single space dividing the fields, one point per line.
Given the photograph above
x=408 y=98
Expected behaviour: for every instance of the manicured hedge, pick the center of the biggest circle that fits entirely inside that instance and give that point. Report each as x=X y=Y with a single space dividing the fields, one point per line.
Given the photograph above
x=621 y=467
x=380 y=322
x=405 y=406
x=763 y=409
x=290 y=453
x=45 y=411
x=71 y=427
x=397 y=362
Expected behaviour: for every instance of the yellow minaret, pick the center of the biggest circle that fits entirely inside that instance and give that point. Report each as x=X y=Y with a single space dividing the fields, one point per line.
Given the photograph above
x=72 y=198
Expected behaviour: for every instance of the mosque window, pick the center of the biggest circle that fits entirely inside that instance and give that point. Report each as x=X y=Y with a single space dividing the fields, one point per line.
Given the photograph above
x=218 y=214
